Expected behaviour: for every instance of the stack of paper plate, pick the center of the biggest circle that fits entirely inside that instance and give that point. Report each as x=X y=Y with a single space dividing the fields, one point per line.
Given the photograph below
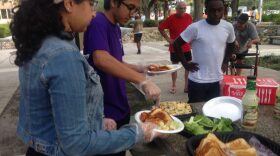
x=224 y=106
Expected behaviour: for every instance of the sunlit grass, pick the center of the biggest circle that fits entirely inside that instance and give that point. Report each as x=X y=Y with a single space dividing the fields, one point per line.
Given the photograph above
x=269 y=61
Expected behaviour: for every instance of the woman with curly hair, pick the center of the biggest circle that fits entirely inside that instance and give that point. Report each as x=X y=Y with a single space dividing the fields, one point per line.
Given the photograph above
x=61 y=98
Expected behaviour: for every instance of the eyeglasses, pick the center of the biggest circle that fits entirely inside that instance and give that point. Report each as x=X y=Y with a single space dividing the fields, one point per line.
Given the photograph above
x=131 y=8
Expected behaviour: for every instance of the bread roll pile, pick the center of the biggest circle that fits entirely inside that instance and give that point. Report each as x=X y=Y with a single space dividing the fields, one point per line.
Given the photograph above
x=212 y=146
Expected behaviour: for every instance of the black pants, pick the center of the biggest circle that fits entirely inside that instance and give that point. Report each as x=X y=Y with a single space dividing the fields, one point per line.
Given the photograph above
x=174 y=57
x=32 y=152
x=199 y=92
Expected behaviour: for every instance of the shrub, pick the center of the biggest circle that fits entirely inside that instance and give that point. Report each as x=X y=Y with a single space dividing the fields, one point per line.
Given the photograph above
x=266 y=18
x=4 y=30
x=150 y=23
x=271 y=18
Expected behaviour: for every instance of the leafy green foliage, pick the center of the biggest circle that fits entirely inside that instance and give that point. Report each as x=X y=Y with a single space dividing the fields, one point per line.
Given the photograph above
x=267 y=4
x=150 y=23
x=194 y=127
x=268 y=61
x=222 y=125
x=204 y=121
x=271 y=18
x=201 y=124
x=4 y=30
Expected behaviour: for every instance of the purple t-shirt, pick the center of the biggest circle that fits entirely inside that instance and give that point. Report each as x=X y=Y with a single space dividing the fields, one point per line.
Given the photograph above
x=101 y=34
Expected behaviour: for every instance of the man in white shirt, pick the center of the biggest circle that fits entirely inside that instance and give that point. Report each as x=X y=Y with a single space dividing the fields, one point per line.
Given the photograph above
x=212 y=40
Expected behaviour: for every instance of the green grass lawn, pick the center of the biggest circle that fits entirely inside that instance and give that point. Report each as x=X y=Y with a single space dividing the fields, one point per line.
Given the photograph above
x=269 y=61
x=4 y=30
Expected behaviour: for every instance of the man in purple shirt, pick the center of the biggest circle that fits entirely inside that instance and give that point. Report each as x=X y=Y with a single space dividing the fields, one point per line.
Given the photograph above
x=102 y=41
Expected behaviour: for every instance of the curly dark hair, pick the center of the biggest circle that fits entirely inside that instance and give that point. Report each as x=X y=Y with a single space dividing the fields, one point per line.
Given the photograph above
x=33 y=21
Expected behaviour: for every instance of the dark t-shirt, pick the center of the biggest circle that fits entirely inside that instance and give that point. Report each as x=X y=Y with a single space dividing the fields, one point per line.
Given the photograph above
x=103 y=35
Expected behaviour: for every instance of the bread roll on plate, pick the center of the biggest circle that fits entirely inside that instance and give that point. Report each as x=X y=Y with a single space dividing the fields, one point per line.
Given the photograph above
x=237 y=144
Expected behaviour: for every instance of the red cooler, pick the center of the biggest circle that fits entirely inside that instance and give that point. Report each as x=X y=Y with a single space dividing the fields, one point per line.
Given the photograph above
x=235 y=86
x=266 y=90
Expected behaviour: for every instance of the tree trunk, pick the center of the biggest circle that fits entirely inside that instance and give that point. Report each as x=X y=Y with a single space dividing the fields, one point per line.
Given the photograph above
x=198 y=9
x=156 y=10
x=234 y=7
x=145 y=8
x=147 y=14
x=165 y=10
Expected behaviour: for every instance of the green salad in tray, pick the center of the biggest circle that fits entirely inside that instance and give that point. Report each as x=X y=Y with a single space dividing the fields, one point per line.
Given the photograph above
x=201 y=124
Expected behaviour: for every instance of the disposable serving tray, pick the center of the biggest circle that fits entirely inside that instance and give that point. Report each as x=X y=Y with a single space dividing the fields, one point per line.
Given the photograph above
x=194 y=141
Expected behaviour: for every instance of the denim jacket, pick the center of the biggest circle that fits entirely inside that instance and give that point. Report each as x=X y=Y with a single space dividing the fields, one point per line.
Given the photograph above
x=61 y=105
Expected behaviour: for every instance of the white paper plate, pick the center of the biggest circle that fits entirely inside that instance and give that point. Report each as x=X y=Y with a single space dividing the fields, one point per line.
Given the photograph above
x=137 y=118
x=224 y=106
x=173 y=67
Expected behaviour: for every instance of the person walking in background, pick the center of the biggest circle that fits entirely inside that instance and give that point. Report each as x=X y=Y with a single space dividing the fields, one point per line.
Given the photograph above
x=103 y=42
x=212 y=40
x=177 y=23
x=253 y=15
x=137 y=30
x=61 y=99
x=246 y=35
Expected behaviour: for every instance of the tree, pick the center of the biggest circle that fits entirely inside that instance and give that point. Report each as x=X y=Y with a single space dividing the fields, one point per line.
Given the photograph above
x=234 y=7
x=155 y=5
x=198 y=9
x=165 y=9
x=144 y=7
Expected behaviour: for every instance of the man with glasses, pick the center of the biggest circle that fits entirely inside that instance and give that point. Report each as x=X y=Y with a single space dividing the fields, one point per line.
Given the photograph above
x=103 y=42
x=176 y=24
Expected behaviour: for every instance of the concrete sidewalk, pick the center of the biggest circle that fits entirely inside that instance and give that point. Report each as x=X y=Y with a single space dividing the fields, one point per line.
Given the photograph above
x=158 y=52
x=151 y=52
x=8 y=79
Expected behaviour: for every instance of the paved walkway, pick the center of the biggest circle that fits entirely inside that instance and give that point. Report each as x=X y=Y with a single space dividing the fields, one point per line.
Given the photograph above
x=151 y=52
x=8 y=79
x=158 y=52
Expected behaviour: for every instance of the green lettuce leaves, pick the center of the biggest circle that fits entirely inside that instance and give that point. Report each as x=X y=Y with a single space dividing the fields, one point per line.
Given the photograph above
x=201 y=124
